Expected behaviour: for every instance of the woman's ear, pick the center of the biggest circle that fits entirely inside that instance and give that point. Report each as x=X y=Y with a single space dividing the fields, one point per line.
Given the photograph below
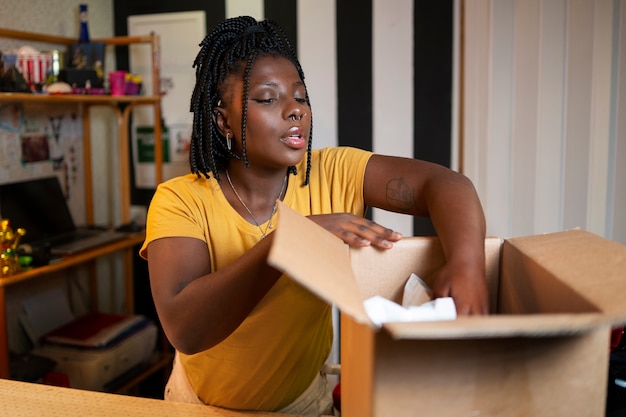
x=220 y=120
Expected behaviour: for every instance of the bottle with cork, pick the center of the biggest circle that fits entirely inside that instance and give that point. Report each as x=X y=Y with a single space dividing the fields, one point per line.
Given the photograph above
x=83 y=36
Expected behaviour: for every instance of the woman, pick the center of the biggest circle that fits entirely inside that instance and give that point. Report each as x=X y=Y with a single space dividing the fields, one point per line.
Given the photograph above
x=246 y=337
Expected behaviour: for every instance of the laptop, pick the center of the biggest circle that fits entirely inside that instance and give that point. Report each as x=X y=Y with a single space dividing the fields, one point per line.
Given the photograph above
x=40 y=207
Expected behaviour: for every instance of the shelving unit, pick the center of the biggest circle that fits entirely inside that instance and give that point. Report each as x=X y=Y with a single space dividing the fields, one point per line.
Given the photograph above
x=122 y=107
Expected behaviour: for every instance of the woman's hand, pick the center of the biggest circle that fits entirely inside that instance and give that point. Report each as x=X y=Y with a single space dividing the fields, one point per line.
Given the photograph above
x=466 y=285
x=357 y=231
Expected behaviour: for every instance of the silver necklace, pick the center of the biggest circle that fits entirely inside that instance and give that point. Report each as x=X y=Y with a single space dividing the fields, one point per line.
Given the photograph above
x=270 y=225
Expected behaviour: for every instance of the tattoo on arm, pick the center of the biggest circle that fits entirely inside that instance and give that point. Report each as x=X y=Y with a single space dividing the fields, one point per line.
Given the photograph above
x=399 y=195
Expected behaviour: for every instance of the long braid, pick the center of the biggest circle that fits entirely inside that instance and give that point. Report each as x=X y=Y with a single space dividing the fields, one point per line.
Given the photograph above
x=244 y=116
x=231 y=48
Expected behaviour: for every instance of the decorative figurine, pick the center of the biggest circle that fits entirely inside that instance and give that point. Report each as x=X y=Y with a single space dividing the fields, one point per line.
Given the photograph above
x=9 y=241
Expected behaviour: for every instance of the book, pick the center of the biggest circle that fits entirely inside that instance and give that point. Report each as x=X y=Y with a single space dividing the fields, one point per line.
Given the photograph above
x=95 y=330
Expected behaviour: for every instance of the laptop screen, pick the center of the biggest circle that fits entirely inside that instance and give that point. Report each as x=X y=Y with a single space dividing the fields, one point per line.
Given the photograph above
x=37 y=205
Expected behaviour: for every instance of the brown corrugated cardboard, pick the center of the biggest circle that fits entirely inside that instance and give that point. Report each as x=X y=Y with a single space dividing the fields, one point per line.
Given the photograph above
x=543 y=351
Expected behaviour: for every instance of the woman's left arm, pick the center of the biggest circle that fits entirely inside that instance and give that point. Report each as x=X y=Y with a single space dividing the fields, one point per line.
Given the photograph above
x=420 y=188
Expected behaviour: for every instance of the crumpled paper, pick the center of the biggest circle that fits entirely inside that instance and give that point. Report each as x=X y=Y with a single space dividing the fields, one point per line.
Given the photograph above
x=417 y=305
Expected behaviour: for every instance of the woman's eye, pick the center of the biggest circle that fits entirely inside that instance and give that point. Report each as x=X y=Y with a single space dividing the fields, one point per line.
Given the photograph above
x=264 y=100
x=300 y=100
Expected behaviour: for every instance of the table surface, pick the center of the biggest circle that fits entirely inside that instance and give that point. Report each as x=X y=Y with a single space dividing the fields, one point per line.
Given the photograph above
x=21 y=399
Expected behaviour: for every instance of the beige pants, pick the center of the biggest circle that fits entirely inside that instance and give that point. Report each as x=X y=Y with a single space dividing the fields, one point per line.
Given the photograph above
x=314 y=401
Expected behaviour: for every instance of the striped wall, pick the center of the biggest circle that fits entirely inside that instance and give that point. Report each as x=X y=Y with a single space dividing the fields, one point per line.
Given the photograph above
x=523 y=96
x=543 y=114
x=358 y=59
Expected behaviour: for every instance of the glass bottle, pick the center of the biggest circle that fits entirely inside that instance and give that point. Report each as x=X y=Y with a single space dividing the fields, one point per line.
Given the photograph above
x=83 y=36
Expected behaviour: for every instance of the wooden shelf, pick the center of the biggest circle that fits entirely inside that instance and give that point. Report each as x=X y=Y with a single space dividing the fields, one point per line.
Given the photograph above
x=73 y=260
x=78 y=98
x=63 y=40
x=122 y=107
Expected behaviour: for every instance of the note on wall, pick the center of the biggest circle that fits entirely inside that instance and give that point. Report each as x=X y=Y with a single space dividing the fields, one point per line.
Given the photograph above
x=180 y=34
x=37 y=140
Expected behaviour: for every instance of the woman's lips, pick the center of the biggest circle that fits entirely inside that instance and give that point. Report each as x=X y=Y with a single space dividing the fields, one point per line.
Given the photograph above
x=294 y=138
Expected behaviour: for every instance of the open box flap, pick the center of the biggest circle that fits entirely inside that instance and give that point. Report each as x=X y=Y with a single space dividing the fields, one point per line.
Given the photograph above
x=316 y=259
x=500 y=326
x=591 y=267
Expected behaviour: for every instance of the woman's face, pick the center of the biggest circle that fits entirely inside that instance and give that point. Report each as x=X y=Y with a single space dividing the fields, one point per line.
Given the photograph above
x=279 y=119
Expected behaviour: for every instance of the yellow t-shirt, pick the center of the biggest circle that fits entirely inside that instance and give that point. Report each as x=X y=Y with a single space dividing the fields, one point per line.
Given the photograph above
x=273 y=356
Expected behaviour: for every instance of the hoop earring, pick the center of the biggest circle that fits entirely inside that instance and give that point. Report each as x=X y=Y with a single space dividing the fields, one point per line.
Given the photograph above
x=229 y=143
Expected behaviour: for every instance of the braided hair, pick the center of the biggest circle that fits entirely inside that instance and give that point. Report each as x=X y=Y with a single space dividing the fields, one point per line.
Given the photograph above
x=231 y=48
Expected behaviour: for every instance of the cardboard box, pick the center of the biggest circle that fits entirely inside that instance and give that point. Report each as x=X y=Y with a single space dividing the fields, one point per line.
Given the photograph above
x=543 y=351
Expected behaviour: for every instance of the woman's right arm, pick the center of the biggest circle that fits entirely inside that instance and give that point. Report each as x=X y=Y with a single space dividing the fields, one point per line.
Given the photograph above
x=199 y=308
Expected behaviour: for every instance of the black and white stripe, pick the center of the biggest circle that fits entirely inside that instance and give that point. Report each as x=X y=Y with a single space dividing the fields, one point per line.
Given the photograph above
x=379 y=73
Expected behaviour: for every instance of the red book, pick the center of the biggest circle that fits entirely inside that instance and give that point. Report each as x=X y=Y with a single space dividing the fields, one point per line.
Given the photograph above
x=94 y=330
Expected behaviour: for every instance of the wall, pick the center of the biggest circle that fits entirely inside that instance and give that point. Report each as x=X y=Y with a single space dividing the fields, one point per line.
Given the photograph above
x=541 y=96
x=544 y=114
x=536 y=115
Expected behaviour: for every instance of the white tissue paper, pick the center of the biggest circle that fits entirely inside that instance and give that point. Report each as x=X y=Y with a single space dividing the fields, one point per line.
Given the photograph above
x=416 y=305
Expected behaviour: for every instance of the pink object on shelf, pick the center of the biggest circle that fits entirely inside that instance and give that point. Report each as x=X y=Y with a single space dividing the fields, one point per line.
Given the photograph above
x=117 y=83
